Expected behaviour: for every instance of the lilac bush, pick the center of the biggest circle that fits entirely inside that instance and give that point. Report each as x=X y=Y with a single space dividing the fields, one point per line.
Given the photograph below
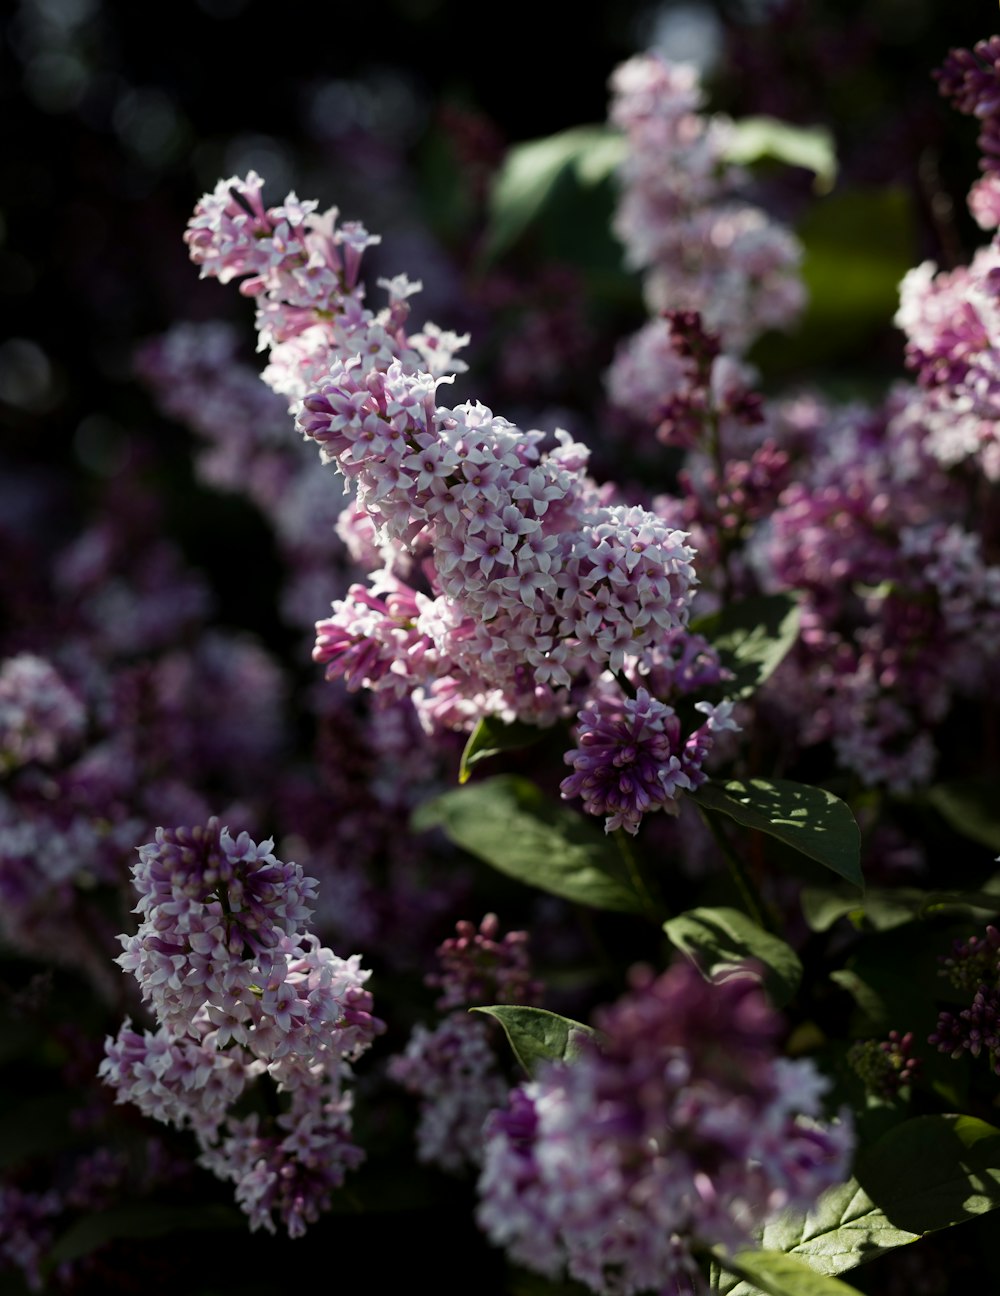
x=680 y=671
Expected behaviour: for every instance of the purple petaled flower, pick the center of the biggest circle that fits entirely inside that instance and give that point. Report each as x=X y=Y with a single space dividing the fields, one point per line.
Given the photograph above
x=973 y=965
x=478 y=968
x=971 y=80
x=241 y=988
x=885 y=1066
x=681 y=1128
x=631 y=758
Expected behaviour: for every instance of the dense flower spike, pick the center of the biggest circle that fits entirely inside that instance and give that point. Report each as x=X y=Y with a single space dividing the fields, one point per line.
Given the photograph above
x=974 y=967
x=478 y=967
x=885 y=1066
x=632 y=759
x=223 y=958
x=538 y=582
x=453 y=1068
x=971 y=80
x=680 y=1128
x=680 y=218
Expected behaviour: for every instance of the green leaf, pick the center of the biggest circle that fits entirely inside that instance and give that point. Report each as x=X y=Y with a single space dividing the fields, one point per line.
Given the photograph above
x=510 y=824
x=811 y=147
x=844 y=1229
x=751 y=638
x=531 y=172
x=970 y=806
x=776 y=1273
x=811 y=819
x=934 y=1171
x=137 y=1220
x=720 y=940
x=858 y=245
x=538 y=1036
x=492 y=736
x=883 y=908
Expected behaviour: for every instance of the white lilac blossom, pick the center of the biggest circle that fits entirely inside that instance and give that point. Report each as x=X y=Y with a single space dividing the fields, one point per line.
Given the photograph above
x=453 y=1070
x=952 y=318
x=39 y=714
x=678 y=1128
x=243 y=993
x=453 y=1067
x=700 y=246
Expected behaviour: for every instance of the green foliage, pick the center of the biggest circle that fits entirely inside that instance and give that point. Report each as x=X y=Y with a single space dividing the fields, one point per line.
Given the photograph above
x=844 y=1229
x=811 y=819
x=537 y=1036
x=507 y=822
x=858 y=245
x=776 y=1273
x=753 y=139
x=138 y=1220
x=721 y=940
x=934 y=1171
x=492 y=736
x=531 y=173
x=970 y=807
x=925 y=1174
x=883 y=908
x=751 y=639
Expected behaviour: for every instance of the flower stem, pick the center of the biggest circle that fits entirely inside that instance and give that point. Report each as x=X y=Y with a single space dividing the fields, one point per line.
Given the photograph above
x=738 y=872
x=654 y=908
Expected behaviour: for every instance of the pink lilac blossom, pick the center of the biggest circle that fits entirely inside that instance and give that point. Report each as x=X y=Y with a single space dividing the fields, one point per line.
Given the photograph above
x=303 y=269
x=678 y=1128
x=898 y=603
x=679 y=215
x=243 y=993
x=952 y=323
x=537 y=582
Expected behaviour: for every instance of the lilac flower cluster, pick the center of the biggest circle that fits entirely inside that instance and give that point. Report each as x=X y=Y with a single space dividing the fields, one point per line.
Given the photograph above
x=303 y=269
x=117 y=706
x=536 y=582
x=453 y=1068
x=243 y=993
x=886 y=1066
x=39 y=715
x=899 y=607
x=973 y=967
x=631 y=758
x=971 y=80
x=540 y=583
x=680 y=218
x=679 y=1129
